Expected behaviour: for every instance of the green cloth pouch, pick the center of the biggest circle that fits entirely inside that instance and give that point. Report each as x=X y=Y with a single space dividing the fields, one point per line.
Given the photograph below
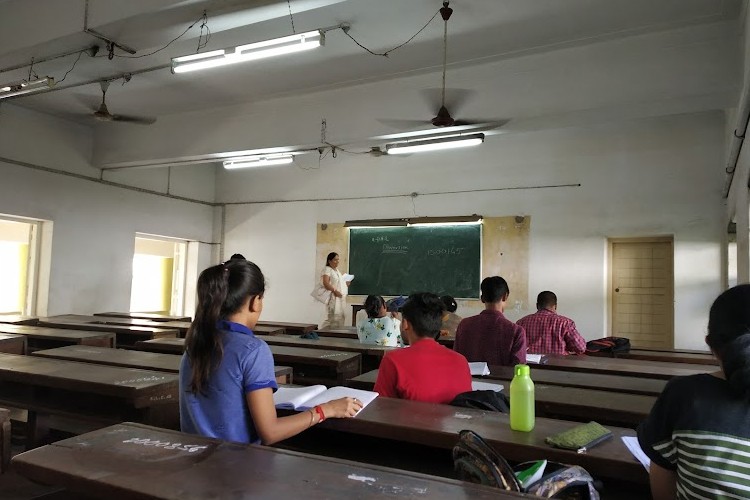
x=580 y=438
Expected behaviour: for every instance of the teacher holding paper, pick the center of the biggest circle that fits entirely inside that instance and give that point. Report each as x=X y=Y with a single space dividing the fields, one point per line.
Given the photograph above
x=336 y=283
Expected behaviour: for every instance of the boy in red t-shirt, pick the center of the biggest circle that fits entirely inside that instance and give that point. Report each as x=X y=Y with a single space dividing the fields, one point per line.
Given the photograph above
x=425 y=371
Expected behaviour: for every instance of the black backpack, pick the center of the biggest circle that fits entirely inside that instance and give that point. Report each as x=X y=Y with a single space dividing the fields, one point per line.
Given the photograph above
x=477 y=462
x=608 y=345
x=483 y=400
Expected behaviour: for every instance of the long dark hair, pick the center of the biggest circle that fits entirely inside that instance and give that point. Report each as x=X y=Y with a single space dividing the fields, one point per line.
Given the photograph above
x=373 y=304
x=729 y=336
x=330 y=257
x=222 y=290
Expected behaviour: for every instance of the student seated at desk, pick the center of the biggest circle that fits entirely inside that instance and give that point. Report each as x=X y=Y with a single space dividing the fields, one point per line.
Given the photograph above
x=379 y=328
x=227 y=374
x=450 y=318
x=697 y=434
x=424 y=371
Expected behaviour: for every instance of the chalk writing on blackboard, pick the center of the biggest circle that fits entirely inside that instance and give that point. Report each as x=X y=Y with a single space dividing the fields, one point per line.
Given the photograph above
x=395 y=249
x=167 y=445
x=445 y=251
x=379 y=239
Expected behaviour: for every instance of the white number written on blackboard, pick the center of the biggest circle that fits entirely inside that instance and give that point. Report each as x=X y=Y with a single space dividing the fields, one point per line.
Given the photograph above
x=379 y=239
x=445 y=251
x=395 y=249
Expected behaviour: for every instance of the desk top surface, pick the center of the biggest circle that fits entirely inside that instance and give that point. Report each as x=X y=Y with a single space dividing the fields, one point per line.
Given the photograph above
x=604 y=382
x=18 y=319
x=303 y=354
x=328 y=343
x=73 y=322
x=84 y=377
x=438 y=425
x=123 y=357
x=303 y=327
x=624 y=409
x=121 y=462
x=12 y=337
x=53 y=333
x=618 y=366
x=143 y=315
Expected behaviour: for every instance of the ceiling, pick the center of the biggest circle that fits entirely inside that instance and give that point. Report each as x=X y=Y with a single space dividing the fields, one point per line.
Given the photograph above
x=480 y=30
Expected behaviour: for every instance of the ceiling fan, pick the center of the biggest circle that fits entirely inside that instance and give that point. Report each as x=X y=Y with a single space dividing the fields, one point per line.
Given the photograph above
x=443 y=118
x=103 y=114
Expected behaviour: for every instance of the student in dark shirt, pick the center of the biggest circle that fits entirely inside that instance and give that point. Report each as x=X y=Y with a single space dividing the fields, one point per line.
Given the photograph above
x=698 y=432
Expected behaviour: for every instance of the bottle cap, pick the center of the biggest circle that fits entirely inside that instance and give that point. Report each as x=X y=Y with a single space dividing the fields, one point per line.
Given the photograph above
x=522 y=370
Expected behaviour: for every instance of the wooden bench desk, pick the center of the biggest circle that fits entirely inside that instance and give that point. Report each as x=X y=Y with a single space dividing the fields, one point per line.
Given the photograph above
x=437 y=426
x=311 y=366
x=143 y=315
x=611 y=383
x=17 y=319
x=569 y=403
x=182 y=327
x=12 y=343
x=346 y=332
x=617 y=366
x=122 y=462
x=291 y=328
x=134 y=359
x=371 y=354
x=95 y=394
x=125 y=335
x=5 y=445
x=40 y=337
x=673 y=357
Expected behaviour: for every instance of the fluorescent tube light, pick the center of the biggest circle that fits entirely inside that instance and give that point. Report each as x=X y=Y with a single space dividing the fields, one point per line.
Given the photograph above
x=20 y=88
x=420 y=145
x=258 y=161
x=377 y=223
x=249 y=52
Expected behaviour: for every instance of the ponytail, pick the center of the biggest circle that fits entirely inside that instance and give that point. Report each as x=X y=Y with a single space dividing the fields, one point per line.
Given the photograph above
x=222 y=290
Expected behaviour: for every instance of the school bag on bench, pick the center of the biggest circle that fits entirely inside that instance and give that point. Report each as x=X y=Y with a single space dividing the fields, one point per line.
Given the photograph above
x=477 y=462
x=608 y=345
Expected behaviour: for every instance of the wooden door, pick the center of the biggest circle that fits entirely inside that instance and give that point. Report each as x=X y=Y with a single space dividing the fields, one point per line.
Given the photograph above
x=642 y=290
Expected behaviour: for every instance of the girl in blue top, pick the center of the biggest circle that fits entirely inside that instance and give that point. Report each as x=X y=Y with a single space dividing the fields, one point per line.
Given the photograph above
x=227 y=374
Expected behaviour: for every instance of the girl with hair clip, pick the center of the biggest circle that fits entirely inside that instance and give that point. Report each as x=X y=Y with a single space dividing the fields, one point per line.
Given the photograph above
x=450 y=318
x=227 y=374
x=379 y=328
x=698 y=432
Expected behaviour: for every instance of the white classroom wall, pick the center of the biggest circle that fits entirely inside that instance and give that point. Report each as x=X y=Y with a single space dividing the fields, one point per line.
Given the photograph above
x=94 y=225
x=646 y=177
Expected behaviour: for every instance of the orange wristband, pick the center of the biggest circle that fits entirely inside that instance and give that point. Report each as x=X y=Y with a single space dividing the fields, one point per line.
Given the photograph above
x=320 y=413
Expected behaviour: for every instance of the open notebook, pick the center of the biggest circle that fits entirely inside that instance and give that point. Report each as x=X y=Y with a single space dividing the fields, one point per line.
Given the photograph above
x=304 y=398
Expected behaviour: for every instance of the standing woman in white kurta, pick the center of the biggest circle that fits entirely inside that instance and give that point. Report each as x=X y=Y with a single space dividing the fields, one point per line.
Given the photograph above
x=333 y=280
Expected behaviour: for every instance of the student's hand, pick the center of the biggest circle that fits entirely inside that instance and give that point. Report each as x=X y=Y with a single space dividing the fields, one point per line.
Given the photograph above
x=341 y=408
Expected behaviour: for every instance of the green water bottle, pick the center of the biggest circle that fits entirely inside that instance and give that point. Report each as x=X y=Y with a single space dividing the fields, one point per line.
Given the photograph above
x=521 y=400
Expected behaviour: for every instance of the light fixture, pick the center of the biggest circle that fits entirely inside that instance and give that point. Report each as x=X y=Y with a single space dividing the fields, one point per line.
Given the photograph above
x=377 y=223
x=420 y=145
x=457 y=220
x=249 y=52
x=258 y=161
x=23 y=87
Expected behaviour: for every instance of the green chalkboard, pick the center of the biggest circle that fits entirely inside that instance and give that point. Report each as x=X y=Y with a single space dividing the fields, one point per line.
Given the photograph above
x=442 y=259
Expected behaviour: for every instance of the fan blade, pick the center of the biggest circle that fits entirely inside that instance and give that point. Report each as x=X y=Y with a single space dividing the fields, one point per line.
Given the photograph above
x=138 y=120
x=494 y=123
x=405 y=124
x=455 y=99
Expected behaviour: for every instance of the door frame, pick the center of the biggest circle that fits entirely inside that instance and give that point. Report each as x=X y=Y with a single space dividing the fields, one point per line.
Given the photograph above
x=610 y=268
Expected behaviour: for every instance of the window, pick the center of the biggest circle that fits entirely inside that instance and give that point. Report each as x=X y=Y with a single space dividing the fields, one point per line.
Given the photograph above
x=158 y=275
x=18 y=265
